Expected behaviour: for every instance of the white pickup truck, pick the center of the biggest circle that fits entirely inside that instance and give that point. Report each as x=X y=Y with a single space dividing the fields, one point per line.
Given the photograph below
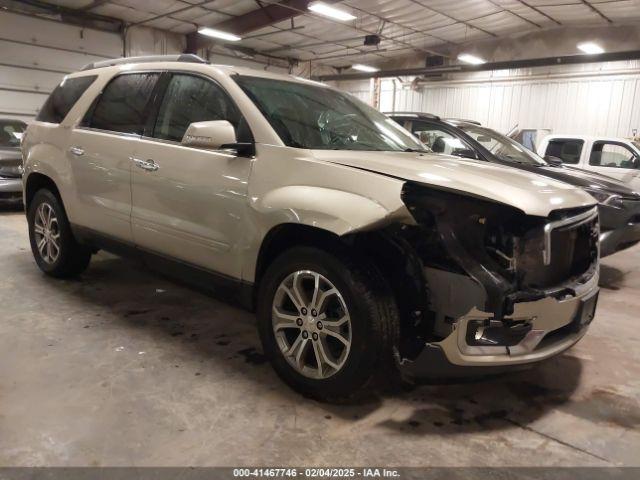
x=616 y=157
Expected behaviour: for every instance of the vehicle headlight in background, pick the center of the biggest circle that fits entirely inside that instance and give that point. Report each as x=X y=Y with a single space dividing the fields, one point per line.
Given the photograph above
x=605 y=198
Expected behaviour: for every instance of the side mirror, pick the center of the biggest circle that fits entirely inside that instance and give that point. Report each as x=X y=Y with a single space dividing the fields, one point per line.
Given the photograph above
x=465 y=153
x=216 y=135
x=555 y=161
x=211 y=134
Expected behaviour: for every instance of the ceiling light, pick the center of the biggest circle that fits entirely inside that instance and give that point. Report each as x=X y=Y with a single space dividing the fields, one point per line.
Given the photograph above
x=591 y=48
x=472 y=59
x=364 y=68
x=331 y=12
x=212 y=32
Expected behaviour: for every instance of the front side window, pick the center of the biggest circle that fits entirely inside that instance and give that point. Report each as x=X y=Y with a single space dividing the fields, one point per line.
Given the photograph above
x=566 y=149
x=122 y=107
x=503 y=147
x=189 y=99
x=614 y=155
x=317 y=117
x=63 y=98
x=11 y=132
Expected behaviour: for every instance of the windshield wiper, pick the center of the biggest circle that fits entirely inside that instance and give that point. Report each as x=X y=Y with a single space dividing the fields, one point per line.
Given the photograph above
x=415 y=150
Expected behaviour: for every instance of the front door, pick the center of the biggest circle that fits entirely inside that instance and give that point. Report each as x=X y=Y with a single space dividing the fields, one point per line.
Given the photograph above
x=190 y=203
x=617 y=160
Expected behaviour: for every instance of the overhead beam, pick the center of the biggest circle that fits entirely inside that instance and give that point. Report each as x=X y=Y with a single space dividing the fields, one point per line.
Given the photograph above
x=529 y=63
x=264 y=16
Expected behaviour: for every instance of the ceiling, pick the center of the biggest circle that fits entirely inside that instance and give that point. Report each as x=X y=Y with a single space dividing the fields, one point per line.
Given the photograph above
x=406 y=27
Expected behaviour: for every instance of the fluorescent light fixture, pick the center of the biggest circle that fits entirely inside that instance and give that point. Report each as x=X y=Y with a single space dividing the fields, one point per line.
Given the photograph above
x=331 y=12
x=212 y=32
x=591 y=48
x=472 y=59
x=364 y=68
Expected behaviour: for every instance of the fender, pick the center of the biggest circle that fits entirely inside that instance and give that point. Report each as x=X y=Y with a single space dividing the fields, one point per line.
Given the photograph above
x=336 y=211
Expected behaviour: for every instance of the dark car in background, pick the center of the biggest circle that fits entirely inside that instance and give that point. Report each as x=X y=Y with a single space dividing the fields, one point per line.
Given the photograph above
x=619 y=206
x=11 y=132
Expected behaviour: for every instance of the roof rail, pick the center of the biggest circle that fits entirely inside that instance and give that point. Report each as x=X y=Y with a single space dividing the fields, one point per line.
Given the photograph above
x=462 y=120
x=429 y=116
x=183 y=57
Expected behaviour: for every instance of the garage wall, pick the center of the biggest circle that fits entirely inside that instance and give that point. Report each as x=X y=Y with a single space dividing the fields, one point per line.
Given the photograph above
x=597 y=99
x=36 y=53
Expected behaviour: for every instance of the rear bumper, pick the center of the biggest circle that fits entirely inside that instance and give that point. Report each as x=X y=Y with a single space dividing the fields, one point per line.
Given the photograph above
x=10 y=190
x=556 y=324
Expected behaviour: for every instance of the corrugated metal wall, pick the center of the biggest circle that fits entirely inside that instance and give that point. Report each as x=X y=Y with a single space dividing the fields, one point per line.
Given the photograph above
x=597 y=99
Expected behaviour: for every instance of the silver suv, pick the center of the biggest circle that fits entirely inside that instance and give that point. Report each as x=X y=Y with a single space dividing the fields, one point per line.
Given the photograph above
x=358 y=250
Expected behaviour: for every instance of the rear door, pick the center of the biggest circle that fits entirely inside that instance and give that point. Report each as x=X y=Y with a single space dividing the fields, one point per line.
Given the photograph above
x=101 y=151
x=189 y=203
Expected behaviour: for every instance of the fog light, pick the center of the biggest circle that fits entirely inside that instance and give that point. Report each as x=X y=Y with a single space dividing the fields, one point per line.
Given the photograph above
x=497 y=333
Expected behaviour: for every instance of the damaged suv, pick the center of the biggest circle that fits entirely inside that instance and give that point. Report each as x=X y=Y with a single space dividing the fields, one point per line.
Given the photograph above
x=358 y=250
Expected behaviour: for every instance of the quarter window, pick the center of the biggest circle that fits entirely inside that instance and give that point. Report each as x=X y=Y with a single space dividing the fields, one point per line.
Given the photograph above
x=190 y=99
x=615 y=155
x=63 y=98
x=123 y=104
x=567 y=150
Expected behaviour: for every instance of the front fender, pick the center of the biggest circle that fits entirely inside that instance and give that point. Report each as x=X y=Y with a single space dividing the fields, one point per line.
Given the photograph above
x=336 y=211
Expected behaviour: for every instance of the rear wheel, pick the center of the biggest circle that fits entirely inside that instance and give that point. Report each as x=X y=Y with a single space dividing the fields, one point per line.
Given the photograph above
x=54 y=247
x=327 y=323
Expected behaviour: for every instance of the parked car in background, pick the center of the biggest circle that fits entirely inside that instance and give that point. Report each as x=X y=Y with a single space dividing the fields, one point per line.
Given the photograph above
x=618 y=205
x=616 y=157
x=359 y=251
x=11 y=132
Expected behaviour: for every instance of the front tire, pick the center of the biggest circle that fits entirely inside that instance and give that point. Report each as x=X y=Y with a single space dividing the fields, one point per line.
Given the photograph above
x=328 y=323
x=53 y=245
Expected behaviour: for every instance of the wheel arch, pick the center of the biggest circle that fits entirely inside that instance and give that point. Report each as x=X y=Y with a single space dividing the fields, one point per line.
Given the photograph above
x=36 y=181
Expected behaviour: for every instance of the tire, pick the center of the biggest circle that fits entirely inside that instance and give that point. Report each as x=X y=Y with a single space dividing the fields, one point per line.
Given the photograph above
x=69 y=258
x=372 y=329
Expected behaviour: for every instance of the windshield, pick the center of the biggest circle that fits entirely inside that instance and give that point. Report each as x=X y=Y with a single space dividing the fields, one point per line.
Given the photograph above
x=317 y=117
x=502 y=147
x=11 y=132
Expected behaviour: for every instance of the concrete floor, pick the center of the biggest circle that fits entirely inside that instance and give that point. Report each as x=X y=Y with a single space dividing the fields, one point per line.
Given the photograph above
x=123 y=367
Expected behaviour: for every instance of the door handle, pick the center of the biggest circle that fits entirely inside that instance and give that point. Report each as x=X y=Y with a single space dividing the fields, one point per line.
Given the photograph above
x=77 y=151
x=148 y=165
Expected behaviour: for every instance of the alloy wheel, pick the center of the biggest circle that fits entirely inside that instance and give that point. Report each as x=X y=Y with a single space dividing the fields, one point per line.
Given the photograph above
x=311 y=324
x=47 y=233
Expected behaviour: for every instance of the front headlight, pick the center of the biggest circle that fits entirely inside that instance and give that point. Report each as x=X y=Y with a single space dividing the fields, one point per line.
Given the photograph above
x=605 y=198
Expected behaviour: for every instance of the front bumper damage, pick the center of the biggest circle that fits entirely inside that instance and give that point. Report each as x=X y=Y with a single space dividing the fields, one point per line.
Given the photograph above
x=504 y=289
x=535 y=331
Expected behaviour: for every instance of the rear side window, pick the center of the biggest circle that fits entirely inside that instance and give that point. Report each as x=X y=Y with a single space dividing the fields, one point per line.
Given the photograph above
x=568 y=150
x=63 y=98
x=122 y=107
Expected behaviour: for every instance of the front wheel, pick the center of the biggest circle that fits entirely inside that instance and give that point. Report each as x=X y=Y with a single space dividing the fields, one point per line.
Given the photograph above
x=327 y=323
x=54 y=247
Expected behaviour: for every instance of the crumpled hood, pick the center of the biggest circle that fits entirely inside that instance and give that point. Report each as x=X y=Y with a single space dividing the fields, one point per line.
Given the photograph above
x=529 y=192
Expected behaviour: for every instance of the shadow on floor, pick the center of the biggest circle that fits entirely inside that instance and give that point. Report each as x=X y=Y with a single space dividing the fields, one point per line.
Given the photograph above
x=211 y=331
x=611 y=278
x=11 y=209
